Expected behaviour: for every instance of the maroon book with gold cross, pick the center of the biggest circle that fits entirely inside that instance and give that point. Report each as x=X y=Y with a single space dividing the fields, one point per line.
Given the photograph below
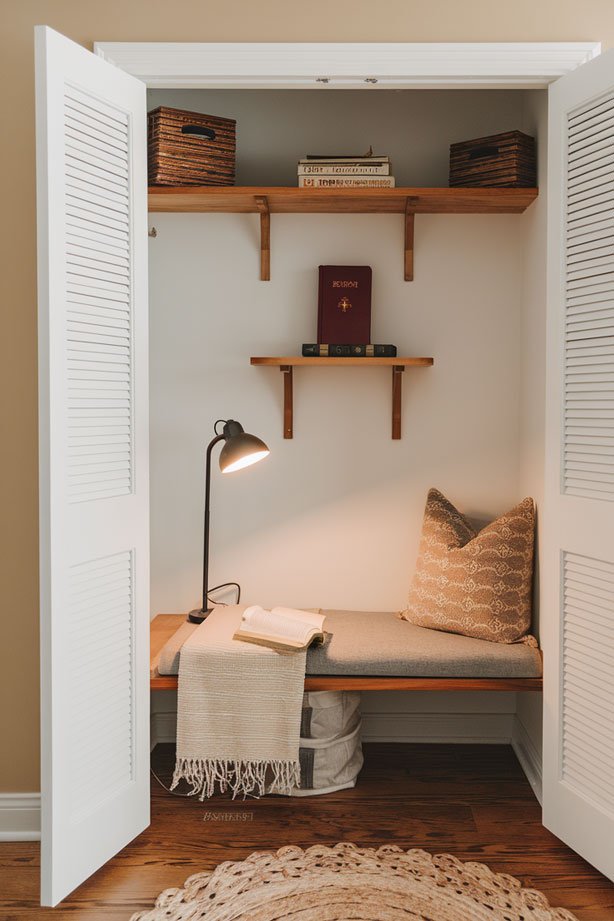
x=344 y=304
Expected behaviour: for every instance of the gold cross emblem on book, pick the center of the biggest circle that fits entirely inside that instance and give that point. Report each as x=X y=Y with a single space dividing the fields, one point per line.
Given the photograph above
x=344 y=304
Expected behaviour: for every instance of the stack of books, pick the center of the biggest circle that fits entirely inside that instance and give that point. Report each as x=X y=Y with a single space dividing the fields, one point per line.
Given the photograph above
x=345 y=172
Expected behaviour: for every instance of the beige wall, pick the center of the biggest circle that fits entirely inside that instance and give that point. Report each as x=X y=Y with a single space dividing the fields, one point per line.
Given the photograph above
x=154 y=20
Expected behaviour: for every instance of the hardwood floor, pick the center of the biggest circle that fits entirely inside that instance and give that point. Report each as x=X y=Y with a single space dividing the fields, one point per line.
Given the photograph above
x=472 y=801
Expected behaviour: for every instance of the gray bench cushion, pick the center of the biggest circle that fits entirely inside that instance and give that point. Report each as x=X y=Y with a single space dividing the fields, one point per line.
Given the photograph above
x=379 y=643
x=368 y=643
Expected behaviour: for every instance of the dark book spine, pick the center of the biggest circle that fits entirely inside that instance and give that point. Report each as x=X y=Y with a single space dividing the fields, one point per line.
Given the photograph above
x=383 y=351
x=330 y=350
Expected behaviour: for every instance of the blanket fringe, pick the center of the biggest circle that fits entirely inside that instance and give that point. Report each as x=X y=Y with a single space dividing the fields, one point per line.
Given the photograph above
x=244 y=778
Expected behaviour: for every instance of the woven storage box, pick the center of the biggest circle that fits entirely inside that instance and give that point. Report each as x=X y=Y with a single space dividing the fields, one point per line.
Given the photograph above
x=329 y=714
x=328 y=765
x=189 y=148
x=330 y=749
x=500 y=160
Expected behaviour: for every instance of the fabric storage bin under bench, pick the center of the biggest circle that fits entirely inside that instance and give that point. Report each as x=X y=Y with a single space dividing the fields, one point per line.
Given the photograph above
x=381 y=644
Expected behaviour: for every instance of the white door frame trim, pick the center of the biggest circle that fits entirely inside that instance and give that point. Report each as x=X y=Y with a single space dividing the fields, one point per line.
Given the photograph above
x=359 y=65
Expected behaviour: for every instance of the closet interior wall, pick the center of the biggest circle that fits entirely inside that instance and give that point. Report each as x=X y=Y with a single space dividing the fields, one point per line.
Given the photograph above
x=332 y=518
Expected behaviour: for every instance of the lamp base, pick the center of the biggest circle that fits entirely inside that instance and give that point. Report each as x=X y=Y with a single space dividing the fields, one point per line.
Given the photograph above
x=197 y=616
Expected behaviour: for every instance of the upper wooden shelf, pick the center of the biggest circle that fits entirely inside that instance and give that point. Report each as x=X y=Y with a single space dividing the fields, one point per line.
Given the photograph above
x=291 y=200
x=267 y=200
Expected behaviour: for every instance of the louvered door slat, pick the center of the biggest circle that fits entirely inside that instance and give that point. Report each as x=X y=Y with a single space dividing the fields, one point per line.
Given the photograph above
x=581 y=737
x=109 y=114
x=589 y=254
x=591 y=115
x=89 y=229
x=100 y=182
x=584 y=695
x=589 y=265
x=102 y=253
x=593 y=187
x=108 y=166
x=106 y=220
x=83 y=151
x=588 y=651
x=578 y=236
x=113 y=314
x=82 y=130
x=581 y=313
x=89 y=207
x=84 y=117
x=595 y=175
x=591 y=139
x=590 y=110
x=86 y=244
x=589 y=287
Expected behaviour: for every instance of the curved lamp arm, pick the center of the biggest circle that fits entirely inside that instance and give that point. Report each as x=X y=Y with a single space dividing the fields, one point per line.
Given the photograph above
x=240 y=450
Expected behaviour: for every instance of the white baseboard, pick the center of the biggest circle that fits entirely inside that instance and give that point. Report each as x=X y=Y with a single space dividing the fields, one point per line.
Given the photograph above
x=528 y=756
x=493 y=728
x=489 y=728
x=20 y=816
x=163 y=728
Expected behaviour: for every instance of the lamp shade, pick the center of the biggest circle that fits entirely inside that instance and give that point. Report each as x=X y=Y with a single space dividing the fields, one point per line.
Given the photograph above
x=241 y=450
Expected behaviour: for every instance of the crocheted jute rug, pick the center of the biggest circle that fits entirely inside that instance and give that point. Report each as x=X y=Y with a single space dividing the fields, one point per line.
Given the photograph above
x=348 y=883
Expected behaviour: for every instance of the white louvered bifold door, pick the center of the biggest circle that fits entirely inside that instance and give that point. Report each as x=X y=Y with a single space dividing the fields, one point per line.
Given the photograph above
x=577 y=550
x=94 y=502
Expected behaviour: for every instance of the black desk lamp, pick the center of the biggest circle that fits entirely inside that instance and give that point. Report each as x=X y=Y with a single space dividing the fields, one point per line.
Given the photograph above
x=240 y=450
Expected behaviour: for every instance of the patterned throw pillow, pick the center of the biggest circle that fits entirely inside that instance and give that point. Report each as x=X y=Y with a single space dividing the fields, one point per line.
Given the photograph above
x=477 y=583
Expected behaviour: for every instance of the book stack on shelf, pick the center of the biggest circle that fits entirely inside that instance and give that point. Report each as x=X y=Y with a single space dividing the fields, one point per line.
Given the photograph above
x=366 y=171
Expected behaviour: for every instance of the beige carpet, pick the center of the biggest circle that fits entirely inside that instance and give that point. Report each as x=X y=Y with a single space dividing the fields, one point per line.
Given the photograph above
x=347 y=883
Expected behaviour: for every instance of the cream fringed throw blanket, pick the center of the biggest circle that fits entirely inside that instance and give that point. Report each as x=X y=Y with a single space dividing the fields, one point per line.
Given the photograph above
x=239 y=712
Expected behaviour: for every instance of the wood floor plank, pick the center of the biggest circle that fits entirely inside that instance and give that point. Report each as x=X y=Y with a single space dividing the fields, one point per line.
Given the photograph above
x=470 y=800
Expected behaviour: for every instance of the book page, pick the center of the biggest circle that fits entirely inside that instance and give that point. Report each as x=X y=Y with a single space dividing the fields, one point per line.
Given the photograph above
x=268 y=623
x=306 y=617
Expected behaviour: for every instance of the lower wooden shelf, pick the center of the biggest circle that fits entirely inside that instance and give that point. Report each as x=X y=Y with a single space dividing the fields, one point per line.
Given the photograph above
x=287 y=363
x=163 y=626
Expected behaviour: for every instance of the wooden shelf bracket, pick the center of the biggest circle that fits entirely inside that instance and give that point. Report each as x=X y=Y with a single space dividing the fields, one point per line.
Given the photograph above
x=286 y=370
x=262 y=203
x=397 y=388
x=410 y=212
x=287 y=363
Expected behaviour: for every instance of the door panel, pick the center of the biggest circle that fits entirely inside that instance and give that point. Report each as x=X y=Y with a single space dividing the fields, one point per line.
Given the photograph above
x=94 y=503
x=578 y=545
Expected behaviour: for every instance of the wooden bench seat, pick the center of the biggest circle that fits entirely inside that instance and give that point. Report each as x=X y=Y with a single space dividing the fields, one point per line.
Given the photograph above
x=164 y=626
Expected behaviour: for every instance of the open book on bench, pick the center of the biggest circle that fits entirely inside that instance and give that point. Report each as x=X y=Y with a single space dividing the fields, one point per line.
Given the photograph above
x=281 y=628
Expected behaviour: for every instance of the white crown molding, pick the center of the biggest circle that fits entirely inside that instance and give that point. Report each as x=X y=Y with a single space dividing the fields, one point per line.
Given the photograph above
x=20 y=816
x=393 y=65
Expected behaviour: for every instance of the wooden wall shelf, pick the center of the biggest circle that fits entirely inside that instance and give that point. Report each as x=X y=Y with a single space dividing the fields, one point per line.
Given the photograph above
x=286 y=364
x=292 y=200
x=267 y=200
